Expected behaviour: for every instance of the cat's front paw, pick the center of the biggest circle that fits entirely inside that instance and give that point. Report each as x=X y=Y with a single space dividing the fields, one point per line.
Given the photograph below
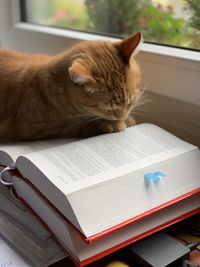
x=130 y=121
x=113 y=126
x=117 y=126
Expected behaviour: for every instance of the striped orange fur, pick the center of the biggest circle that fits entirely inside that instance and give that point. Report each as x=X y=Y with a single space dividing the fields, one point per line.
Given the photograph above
x=87 y=90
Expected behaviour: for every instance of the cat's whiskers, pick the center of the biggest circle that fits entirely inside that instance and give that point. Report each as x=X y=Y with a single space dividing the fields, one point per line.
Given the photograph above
x=141 y=100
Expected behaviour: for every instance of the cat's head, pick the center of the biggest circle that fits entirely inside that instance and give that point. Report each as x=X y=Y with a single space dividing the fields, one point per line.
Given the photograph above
x=106 y=78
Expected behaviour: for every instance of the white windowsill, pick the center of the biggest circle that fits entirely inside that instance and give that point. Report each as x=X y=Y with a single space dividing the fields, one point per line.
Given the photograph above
x=81 y=36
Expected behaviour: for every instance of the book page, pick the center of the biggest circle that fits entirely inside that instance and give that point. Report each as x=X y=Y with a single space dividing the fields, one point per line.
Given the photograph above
x=11 y=151
x=87 y=162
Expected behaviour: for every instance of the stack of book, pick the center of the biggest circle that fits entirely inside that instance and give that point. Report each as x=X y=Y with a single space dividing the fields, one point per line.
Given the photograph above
x=24 y=241
x=100 y=194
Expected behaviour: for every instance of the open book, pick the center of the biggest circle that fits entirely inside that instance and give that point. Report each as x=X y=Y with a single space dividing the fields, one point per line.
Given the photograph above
x=103 y=186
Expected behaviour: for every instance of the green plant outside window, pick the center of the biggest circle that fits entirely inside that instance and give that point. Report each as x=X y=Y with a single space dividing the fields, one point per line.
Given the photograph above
x=175 y=23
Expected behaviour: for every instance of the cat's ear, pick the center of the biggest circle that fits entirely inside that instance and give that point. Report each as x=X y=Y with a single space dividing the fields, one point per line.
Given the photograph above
x=129 y=46
x=79 y=73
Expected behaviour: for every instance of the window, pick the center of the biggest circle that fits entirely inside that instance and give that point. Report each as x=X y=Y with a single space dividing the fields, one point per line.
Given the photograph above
x=169 y=71
x=161 y=21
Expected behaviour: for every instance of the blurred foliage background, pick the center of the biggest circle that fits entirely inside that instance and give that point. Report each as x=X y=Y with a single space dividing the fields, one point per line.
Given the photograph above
x=174 y=23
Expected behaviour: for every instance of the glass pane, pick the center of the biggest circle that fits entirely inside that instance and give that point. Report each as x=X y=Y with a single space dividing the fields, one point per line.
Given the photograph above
x=167 y=22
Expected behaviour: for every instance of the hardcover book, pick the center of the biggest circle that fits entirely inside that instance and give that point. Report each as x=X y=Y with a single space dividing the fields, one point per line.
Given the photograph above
x=99 y=194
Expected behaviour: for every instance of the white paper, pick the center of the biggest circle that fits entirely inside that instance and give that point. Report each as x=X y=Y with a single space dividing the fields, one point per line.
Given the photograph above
x=9 y=257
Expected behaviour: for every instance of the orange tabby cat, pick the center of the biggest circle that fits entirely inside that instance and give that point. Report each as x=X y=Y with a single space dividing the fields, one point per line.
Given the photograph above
x=89 y=89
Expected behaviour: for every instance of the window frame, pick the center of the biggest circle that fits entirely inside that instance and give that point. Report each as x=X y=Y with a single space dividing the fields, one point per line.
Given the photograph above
x=168 y=71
